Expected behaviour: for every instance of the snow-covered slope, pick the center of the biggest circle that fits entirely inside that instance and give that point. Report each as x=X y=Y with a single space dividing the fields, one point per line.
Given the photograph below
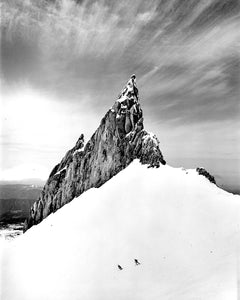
x=183 y=230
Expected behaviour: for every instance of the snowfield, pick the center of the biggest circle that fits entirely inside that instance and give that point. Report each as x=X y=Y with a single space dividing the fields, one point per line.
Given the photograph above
x=183 y=230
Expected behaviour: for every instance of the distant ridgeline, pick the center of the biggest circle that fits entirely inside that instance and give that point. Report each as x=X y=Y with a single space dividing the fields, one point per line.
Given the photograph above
x=119 y=139
x=15 y=201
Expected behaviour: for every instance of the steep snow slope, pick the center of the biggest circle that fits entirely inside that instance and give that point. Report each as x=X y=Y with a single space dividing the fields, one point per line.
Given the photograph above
x=183 y=230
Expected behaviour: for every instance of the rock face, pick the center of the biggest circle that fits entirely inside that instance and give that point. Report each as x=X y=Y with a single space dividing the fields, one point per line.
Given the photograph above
x=203 y=172
x=119 y=139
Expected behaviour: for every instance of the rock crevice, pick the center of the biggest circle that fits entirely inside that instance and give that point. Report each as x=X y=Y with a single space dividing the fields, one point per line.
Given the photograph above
x=119 y=139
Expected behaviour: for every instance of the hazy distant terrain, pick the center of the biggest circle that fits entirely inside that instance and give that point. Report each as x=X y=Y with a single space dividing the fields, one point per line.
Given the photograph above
x=15 y=202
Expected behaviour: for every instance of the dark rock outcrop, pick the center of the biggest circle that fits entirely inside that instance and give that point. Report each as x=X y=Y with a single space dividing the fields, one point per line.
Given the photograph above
x=202 y=171
x=119 y=140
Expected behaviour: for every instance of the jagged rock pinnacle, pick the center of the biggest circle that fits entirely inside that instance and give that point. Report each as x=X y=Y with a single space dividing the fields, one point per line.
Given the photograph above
x=127 y=109
x=119 y=139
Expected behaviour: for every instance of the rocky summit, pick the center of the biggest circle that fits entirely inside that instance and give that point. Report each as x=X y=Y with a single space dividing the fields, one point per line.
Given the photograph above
x=119 y=139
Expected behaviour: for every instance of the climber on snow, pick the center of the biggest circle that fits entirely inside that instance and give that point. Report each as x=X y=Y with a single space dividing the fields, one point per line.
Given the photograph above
x=136 y=262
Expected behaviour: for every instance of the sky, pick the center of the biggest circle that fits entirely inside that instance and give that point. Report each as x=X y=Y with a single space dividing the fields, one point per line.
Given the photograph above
x=63 y=64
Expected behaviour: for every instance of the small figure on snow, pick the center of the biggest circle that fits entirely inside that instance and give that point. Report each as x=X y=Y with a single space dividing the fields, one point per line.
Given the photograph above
x=136 y=262
x=120 y=268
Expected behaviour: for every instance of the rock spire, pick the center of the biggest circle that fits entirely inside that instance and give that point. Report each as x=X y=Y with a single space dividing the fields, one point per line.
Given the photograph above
x=119 y=139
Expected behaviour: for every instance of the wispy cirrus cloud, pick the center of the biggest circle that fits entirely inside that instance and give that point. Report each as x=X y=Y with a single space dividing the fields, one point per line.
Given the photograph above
x=67 y=46
x=185 y=54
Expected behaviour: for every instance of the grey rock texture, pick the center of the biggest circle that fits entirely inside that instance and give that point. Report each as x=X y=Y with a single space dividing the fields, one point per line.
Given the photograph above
x=119 y=139
x=203 y=172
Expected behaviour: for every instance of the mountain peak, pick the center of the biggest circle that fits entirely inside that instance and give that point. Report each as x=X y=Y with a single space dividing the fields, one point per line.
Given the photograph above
x=130 y=88
x=119 y=139
x=128 y=111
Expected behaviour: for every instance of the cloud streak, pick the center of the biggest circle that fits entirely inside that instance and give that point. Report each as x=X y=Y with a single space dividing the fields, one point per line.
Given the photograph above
x=185 y=54
x=65 y=46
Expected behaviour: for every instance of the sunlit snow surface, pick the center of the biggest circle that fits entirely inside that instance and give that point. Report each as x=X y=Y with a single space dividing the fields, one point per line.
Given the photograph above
x=183 y=230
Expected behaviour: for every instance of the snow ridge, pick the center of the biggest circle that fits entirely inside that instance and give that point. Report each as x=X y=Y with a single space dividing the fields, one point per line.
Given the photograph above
x=181 y=228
